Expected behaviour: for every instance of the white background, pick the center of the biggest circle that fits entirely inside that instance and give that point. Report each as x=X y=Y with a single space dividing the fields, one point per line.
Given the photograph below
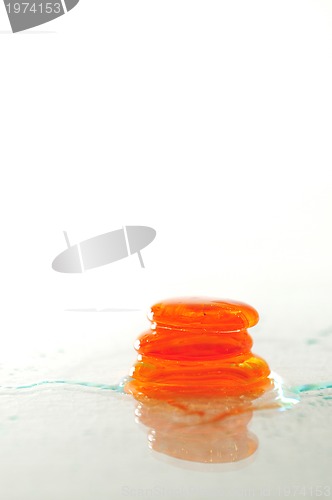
x=209 y=121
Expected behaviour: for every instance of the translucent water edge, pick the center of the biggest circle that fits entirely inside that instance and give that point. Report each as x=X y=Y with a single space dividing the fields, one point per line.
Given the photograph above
x=283 y=395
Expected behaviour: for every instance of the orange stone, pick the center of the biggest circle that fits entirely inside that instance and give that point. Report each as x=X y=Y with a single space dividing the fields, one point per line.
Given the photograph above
x=197 y=347
x=204 y=313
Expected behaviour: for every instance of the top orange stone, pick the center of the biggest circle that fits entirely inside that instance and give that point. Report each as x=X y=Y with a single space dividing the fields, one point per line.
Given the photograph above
x=203 y=313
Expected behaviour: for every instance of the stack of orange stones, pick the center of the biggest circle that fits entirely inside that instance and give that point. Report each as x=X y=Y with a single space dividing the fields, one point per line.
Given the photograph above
x=198 y=347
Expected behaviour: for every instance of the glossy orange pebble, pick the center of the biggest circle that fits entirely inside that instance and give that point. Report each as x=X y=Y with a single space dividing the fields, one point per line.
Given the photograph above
x=198 y=347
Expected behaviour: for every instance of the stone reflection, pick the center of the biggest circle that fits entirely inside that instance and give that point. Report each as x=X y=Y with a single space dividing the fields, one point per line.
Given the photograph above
x=200 y=430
